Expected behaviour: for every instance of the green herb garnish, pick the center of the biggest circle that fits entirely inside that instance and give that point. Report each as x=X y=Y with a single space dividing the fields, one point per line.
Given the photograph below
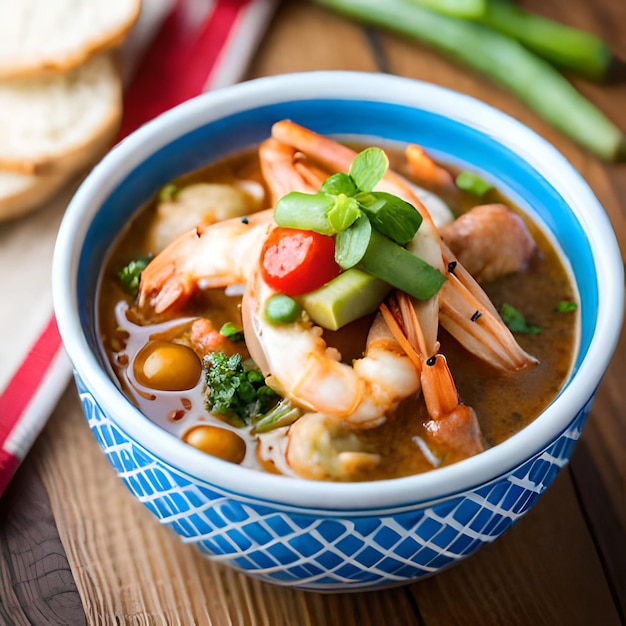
x=566 y=306
x=469 y=181
x=283 y=414
x=236 y=391
x=343 y=197
x=371 y=227
x=230 y=331
x=130 y=274
x=516 y=322
x=168 y=193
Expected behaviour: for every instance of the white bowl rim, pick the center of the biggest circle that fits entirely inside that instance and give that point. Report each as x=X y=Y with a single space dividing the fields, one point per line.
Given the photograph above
x=433 y=485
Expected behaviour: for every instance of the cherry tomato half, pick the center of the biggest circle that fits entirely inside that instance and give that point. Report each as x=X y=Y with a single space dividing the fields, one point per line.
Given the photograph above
x=297 y=261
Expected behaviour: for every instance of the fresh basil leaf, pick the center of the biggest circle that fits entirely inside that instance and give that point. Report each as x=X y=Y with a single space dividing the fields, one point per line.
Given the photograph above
x=351 y=244
x=339 y=183
x=391 y=215
x=368 y=167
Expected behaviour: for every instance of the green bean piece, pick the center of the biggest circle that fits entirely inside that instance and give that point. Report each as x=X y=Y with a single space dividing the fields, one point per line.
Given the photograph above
x=532 y=79
x=455 y=8
x=569 y=48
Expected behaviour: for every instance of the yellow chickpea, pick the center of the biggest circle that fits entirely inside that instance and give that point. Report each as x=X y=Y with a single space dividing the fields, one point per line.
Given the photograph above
x=167 y=366
x=217 y=441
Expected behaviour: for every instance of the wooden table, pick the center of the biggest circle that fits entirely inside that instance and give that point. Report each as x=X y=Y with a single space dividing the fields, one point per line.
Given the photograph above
x=76 y=548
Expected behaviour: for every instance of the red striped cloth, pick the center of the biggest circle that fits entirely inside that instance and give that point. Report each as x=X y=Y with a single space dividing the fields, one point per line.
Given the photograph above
x=193 y=46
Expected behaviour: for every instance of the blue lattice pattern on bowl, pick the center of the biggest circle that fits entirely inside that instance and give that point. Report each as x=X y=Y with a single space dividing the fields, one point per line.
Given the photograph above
x=326 y=550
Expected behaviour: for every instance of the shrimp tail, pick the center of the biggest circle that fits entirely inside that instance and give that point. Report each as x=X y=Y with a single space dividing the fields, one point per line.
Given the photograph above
x=470 y=317
x=453 y=426
x=426 y=171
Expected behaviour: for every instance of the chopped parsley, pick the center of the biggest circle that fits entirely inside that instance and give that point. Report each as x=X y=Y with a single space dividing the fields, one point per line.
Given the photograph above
x=236 y=391
x=129 y=275
x=230 y=331
x=516 y=322
x=473 y=183
x=566 y=306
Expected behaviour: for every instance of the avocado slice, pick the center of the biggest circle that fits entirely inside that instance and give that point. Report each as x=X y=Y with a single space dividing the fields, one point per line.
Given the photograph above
x=347 y=297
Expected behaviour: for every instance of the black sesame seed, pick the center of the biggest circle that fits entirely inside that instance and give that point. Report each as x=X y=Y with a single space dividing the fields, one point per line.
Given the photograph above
x=244 y=220
x=476 y=315
x=451 y=267
x=431 y=361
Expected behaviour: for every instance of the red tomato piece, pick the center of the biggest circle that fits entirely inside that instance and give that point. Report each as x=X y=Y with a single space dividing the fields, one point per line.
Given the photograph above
x=297 y=261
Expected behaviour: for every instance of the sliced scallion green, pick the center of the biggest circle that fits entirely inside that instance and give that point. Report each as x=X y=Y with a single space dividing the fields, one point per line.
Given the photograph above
x=306 y=211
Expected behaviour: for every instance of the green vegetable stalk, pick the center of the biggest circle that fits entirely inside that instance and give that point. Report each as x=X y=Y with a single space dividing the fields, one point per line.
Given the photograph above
x=569 y=48
x=532 y=79
x=455 y=8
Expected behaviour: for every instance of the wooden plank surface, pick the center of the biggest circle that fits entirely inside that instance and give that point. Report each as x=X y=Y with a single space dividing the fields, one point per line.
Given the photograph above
x=75 y=547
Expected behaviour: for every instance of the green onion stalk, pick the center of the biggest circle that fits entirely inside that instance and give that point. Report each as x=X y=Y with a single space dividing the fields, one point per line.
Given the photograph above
x=503 y=59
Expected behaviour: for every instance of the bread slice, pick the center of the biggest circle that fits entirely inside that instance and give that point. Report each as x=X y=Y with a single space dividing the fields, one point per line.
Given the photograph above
x=23 y=193
x=56 y=35
x=54 y=124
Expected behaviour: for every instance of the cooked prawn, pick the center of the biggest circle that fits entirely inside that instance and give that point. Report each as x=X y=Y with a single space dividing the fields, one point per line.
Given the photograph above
x=323 y=447
x=452 y=425
x=302 y=367
x=427 y=244
x=202 y=203
x=285 y=169
x=468 y=314
x=211 y=256
x=426 y=171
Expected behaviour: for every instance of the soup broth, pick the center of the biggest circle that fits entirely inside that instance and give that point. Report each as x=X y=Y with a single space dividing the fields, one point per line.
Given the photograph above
x=504 y=402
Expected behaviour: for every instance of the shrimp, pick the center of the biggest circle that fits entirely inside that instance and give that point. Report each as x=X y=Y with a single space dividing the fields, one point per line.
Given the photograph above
x=492 y=333
x=202 y=203
x=426 y=171
x=301 y=366
x=453 y=426
x=468 y=314
x=217 y=255
x=490 y=241
x=223 y=253
x=322 y=447
x=286 y=170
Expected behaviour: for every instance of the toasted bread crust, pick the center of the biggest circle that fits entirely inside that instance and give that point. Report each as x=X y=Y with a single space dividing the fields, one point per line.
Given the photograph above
x=60 y=142
x=26 y=60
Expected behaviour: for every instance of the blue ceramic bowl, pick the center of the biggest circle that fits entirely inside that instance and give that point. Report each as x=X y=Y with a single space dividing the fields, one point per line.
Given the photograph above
x=327 y=536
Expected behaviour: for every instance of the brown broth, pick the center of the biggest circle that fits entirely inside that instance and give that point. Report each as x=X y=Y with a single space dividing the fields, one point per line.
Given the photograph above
x=504 y=403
